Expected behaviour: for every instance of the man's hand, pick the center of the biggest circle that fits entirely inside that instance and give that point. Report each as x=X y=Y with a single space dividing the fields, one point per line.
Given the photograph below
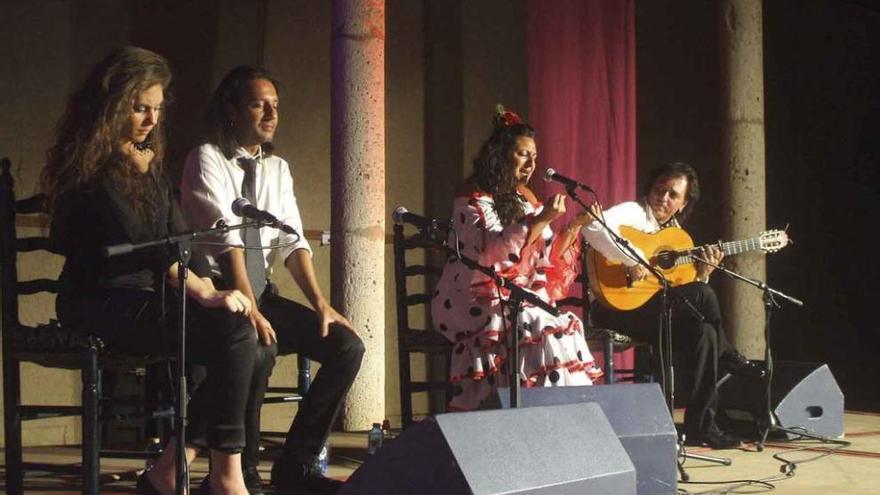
x=328 y=315
x=637 y=272
x=712 y=254
x=265 y=332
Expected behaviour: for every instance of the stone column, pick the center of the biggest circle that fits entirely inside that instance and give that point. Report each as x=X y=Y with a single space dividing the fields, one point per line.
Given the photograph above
x=358 y=194
x=742 y=165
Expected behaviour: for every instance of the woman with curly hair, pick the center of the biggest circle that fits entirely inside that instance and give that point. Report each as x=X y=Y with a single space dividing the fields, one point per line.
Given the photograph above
x=499 y=222
x=105 y=185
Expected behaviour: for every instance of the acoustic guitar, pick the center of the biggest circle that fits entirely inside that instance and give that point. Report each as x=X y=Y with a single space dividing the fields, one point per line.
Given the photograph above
x=670 y=251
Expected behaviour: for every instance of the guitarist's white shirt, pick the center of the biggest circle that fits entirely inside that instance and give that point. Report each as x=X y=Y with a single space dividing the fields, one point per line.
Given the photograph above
x=632 y=214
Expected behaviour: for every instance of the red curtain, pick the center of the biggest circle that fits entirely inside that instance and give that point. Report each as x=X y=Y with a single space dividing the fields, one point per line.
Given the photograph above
x=582 y=99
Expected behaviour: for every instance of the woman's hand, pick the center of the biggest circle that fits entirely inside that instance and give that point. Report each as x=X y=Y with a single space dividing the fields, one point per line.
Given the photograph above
x=553 y=209
x=232 y=300
x=584 y=218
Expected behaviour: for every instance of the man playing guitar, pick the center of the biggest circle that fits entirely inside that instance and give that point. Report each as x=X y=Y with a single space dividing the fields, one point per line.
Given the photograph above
x=669 y=195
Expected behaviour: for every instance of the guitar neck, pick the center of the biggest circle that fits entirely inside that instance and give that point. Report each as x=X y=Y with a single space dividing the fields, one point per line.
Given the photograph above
x=728 y=248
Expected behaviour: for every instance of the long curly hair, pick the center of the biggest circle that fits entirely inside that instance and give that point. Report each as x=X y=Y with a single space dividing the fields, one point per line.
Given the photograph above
x=492 y=166
x=89 y=131
x=219 y=129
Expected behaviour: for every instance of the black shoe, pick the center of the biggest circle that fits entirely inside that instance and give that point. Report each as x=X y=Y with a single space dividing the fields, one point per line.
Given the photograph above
x=736 y=364
x=144 y=487
x=252 y=481
x=291 y=475
x=713 y=438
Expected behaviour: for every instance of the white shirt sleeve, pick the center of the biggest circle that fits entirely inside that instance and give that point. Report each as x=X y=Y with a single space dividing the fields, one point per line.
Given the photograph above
x=290 y=215
x=206 y=199
x=631 y=214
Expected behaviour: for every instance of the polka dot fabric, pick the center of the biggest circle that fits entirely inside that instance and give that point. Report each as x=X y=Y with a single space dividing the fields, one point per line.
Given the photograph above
x=467 y=311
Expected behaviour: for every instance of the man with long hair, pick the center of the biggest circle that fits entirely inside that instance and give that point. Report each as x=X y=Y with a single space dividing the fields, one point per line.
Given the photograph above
x=668 y=197
x=237 y=161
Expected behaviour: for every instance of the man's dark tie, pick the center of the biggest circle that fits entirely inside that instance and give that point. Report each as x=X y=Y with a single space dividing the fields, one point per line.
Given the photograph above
x=253 y=256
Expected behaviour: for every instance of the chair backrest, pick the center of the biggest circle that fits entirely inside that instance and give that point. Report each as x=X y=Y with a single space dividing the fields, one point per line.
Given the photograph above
x=41 y=343
x=418 y=270
x=10 y=247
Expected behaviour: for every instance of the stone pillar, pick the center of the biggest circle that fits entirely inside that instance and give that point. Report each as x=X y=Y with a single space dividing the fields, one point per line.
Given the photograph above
x=358 y=194
x=742 y=165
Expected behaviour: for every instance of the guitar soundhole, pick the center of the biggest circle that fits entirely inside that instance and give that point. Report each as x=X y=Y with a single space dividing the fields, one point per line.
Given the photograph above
x=666 y=259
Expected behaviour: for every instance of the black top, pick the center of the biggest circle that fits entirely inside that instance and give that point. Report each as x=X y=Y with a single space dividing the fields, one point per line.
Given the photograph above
x=88 y=218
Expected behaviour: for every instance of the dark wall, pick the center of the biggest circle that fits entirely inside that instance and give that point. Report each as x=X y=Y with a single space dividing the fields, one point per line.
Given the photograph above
x=822 y=77
x=822 y=116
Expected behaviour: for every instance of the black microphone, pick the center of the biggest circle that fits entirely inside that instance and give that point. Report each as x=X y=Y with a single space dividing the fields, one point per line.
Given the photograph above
x=243 y=208
x=551 y=174
x=401 y=215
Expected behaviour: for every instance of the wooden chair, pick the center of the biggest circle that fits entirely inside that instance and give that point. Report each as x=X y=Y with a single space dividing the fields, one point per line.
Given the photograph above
x=288 y=395
x=52 y=346
x=609 y=341
x=410 y=339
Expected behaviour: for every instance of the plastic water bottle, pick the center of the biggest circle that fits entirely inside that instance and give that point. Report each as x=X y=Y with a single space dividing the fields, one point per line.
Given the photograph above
x=374 y=439
x=322 y=462
x=154 y=448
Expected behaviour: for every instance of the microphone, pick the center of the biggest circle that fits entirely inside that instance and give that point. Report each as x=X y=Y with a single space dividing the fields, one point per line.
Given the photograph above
x=243 y=208
x=551 y=174
x=117 y=249
x=401 y=216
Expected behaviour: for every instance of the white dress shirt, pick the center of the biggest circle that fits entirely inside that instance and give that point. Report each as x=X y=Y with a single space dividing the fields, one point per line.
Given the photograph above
x=636 y=215
x=211 y=183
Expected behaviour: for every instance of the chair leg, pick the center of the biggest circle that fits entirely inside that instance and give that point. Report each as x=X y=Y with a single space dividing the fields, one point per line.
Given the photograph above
x=406 y=414
x=304 y=377
x=91 y=442
x=12 y=425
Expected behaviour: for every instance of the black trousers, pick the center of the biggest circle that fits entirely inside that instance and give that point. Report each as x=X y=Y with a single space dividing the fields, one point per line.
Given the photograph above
x=700 y=337
x=340 y=353
x=129 y=320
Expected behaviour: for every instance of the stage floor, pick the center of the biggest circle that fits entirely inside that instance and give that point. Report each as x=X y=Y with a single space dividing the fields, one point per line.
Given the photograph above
x=854 y=469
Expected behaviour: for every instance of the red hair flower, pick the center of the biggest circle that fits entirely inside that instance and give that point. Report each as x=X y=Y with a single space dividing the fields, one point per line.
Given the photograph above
x=506 y=117
x=510 y=118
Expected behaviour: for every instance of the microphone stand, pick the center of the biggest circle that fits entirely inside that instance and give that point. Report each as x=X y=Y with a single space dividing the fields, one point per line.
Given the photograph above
x=518 y=296
x=665 y=329
x=184 y=243
x=769 y=422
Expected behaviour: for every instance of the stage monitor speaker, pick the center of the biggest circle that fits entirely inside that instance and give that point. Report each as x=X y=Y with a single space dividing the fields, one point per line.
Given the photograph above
x=558 y=450
x=804 y=396
x=640 y=419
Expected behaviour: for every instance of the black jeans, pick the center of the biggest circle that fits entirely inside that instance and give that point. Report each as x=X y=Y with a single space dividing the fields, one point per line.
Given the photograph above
x=340 y=353
x=129 y=320
x=701 y=341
